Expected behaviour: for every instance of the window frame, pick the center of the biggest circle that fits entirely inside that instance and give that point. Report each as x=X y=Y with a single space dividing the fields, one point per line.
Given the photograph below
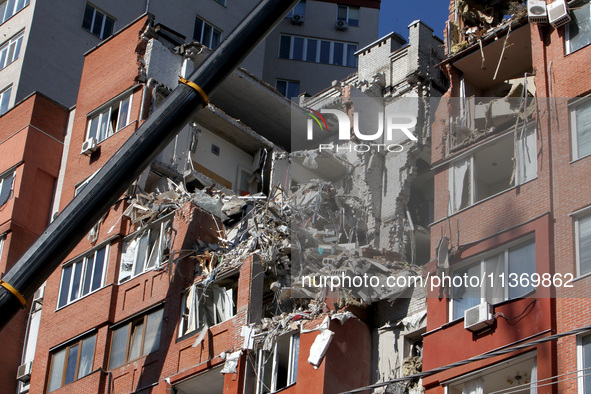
x=481 y=259
x=79 y=341
x=580 y=362
x=106 y=110
x=287 y=85
x=15 y=9
x=3 y=177
x=163 y=224
x=582 y=215
x=214 y=29
x=105 y=16
x=348 y=19
x=567 y=40
x=272 y=356
x=84 y=260
x=132 y=323
x=5 y=99
x=299 y=9
x=572 y=107
x=16 y=42
x=318 y=56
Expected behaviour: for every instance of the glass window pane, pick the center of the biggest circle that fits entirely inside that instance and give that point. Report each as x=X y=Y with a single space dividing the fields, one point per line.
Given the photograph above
x=154 y=248
x=9 y=9
x=136 y=340
x=118 y=347
x=141 y=255
x=351 y=59
x=99 y=264
x=298 y=48
x=353 y=16
x=494 y=265
x=325 y=52
x=284 y=46
x=153 y=330
x=216 y=38
x=465 y=297
x=338 y=54
x=522 y=260
x=583 y=124
x=579 y=29
x=86 y=357
x=71 y=364
x=198 y=29
x=586 y=345
x=5 y=100
x=3 y=52
x=57 y=370
x=17 y=50
x=123 y=113
x=294 y=353
x=76 y=278
x=92 y=128
x=88 y=274
x=19 y=5
x=109 y=25
x=66 y=277
x=87 y=20
x=10 y=57
x=2 y=12
x=206 y=35
x=342 y=13
x=293 y=89
x=103 y=125
x=127 y=259
x=98 y=23
x=281 y=87
x=585 y=245
x=311 y=50
x=6 y=188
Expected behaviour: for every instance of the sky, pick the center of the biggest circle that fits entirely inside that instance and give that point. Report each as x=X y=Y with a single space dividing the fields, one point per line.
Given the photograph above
x=396 y=15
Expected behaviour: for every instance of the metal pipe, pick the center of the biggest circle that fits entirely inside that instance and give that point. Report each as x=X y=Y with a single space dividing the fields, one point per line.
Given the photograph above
x=96 y=198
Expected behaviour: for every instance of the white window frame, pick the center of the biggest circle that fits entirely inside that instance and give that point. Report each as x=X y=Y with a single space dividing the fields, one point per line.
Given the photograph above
x=481 y=260
x=2 y=241
x=567 y=43
x=10 y=50
x=213 y=29
x=527 y=153
x=584 y=214
x=162 y=225
x=106 y=16
x=83 y=261
x=331 y=60
x=573 y=126
x=3 y=180
x=10 y=8
x=103 y=116
x=348 y=18
x=292 y=370
x=196 y=298
x=581 y=372
x=5 y=100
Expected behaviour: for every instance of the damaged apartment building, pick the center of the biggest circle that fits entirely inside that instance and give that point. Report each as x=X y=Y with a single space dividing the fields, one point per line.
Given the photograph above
x=192 y=282
x=510 y=161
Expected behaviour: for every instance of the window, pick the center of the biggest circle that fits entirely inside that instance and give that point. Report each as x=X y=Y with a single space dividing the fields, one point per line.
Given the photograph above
x=317 y=51
x=6 y=183
x=580 y=124
x=349 y=15
x=9 y=8
x=222 y=2
x=584 y=363
x=85 y=182
x=289 y=89
x=83 y=276
x=71 y=362
x=578 y=30
x=10 y=50
x=145 y=250
x=97 y=23
x=298 y=11
x=583 y=244
x=207 y=34
x=107 y=121
x=136 y=338
x=504 y=263
x=209 y=305
x=2 y=239
x=489 y=170
x=5 y=100
x=278 y=368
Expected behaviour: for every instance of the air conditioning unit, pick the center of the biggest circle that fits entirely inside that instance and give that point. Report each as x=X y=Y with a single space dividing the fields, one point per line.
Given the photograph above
x=341 y=25
x=297 y=19
x=24 y=372
x=536 y=11
x=89 y=146
x=558 y=13
x=478 y=317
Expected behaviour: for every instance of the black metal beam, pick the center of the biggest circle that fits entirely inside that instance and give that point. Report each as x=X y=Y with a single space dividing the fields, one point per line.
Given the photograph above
x=96 y=198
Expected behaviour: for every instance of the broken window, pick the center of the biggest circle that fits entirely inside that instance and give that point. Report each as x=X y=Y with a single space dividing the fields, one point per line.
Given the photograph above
x=6 y=186
x=206 y=34
x=83 y=276
x=9 y=8
x=578 y=30
x=583 y=244
x=498 y=268
x=278 y=368
x=580 y=124
x=315 y=51
x=5 y=99
x=145 y=250
x=10 y=51
x=110 y=119
x=348 y=14
x=71 y=362
x=489 y=170
x=209 y=305
x=136 y=338
x=97 y=22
